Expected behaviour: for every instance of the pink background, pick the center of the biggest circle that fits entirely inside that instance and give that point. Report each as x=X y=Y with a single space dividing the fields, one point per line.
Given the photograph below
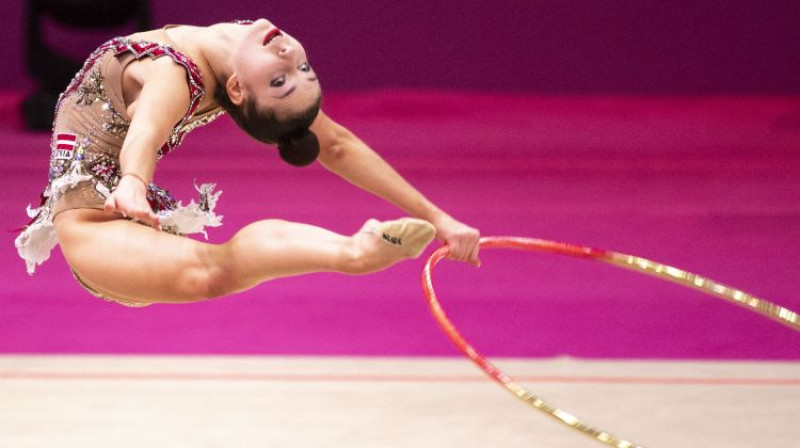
x=668 y=130
x=577 y=46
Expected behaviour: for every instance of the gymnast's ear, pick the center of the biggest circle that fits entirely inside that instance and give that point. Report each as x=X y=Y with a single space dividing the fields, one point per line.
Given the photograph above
x=234 y=89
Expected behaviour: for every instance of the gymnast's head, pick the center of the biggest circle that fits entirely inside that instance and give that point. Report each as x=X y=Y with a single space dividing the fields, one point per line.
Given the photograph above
x=272 y=92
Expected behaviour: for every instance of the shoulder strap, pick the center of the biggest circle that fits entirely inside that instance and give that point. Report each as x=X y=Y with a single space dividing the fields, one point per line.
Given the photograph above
x=194 y=76
x=155 y=50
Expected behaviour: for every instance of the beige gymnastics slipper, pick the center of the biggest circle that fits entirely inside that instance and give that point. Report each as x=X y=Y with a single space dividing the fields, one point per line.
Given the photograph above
x=410 y=235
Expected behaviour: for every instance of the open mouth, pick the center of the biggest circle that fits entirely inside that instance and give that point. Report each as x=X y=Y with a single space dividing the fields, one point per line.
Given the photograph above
x=272 y=34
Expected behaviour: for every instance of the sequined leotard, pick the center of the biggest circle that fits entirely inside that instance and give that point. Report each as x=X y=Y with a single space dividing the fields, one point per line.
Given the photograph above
x=90 y=126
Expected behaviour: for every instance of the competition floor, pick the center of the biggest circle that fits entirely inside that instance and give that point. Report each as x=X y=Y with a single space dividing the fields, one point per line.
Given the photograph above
x=320 y=402
x=709 y=185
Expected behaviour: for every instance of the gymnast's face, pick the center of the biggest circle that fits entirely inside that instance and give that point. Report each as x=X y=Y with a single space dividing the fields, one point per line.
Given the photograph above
x=272 y=67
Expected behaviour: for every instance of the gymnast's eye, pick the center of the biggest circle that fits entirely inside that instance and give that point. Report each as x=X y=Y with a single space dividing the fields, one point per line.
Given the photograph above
x=304 y=67
x=277 y=82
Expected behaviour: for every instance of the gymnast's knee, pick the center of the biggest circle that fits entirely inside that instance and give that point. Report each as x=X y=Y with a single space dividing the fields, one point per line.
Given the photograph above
x=211 y=278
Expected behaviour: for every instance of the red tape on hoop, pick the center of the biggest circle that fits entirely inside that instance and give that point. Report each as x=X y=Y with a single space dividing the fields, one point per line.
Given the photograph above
x=767 y=309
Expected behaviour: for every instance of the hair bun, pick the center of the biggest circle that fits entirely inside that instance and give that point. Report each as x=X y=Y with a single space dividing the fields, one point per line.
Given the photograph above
x=300 y=148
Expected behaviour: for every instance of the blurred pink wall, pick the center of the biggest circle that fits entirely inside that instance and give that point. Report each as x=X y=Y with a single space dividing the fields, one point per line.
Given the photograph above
x=577 y=46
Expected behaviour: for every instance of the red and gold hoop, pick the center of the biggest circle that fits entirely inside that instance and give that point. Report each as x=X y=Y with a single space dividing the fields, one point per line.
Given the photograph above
x=767 y=309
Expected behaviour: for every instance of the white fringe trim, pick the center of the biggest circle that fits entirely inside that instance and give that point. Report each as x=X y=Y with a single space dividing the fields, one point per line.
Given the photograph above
x=35 y=243
x=76 y=174
x=192 y=218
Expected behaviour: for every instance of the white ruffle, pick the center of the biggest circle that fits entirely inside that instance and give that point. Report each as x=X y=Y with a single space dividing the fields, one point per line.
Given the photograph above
x=76 y=174
x=193 y=218
x=35 y=243
x=38 y=239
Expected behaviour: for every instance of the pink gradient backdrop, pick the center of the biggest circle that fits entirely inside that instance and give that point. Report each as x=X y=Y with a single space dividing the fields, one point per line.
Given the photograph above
x=667 y=130
x=708 y=185
x=579 y=46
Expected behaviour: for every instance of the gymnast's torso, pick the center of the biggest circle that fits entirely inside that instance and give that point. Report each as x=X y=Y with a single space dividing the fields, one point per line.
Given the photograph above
x=92 y=119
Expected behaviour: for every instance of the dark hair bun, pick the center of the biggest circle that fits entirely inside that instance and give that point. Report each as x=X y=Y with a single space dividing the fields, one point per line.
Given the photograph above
x=300 y=148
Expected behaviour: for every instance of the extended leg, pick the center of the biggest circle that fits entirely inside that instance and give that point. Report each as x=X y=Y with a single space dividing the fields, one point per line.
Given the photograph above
x=126 y=260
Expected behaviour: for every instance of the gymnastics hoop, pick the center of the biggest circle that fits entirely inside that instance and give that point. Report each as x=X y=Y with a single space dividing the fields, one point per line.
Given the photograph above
x=768 y=309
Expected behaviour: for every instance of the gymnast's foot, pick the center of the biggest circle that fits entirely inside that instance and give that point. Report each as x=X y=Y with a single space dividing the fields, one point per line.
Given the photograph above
x=385 y=243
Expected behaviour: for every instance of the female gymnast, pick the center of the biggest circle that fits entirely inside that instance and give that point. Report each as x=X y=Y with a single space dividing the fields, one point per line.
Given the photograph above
x=135 y=99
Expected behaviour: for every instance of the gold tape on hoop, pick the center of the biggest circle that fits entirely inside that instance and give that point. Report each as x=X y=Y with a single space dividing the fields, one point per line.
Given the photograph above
x=763 y=307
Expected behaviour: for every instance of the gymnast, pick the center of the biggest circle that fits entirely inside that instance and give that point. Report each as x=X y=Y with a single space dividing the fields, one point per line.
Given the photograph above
x=133 y=102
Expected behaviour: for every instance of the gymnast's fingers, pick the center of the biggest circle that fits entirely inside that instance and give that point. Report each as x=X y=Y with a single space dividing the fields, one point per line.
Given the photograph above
x=451 y=250
x=110 y=204
x=146 y=216
x=155 y=221
x=457 y=251
x=473 y=254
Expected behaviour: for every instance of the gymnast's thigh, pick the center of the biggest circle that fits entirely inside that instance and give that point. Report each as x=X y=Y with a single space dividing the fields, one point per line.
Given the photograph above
x=133 y=262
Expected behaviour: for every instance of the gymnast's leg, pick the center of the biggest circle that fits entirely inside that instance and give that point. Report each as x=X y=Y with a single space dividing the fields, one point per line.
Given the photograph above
x=133 y=262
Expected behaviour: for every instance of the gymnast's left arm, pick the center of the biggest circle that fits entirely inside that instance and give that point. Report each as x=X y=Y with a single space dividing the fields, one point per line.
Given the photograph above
x=344 y=154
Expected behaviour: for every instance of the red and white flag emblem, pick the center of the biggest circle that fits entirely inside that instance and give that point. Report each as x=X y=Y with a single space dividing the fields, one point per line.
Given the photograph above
x=65 y=146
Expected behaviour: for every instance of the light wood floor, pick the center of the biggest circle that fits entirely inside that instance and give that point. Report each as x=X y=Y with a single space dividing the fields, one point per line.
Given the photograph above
x=204 y=401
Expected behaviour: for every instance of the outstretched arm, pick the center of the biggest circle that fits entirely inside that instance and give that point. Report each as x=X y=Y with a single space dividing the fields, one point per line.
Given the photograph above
x=343 y=153
x=161 y=103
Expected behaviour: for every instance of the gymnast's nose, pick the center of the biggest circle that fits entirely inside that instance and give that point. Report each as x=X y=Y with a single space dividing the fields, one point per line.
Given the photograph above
x=286 y=50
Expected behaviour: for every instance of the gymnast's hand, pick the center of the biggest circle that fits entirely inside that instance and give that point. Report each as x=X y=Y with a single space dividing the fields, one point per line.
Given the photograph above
x=130 y=201
x=460 y=238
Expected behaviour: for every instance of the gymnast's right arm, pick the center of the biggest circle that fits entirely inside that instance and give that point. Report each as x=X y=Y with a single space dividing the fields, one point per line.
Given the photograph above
x=162 y=102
